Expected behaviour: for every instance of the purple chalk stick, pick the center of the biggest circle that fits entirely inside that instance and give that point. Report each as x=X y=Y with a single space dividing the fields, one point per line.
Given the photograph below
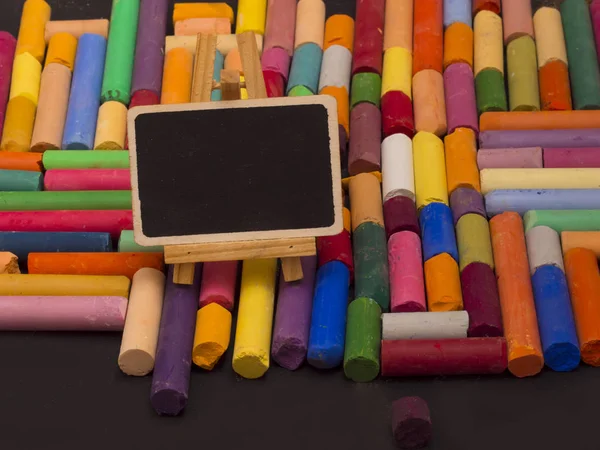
x=572 y=138
x=8 y=45
x=466 y=201
x=150 y=46
x=571 y=157
x=400 y=214
x=292 y=319
x=459 y=89
x=481 y=300
x=510 y=158
x=171 y=378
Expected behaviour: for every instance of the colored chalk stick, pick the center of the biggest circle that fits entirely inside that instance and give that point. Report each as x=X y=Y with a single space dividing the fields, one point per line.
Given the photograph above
x=84 y=159
x=461 y=159
x=225 y=43
x=459 y=91
x=583 y=239
x=335 y=68
x=564 y=220
x=127 y=244
x=523 y=200
x=398 y=28
x=467 y=356
x=328 y=319
x=457 y=11
x=76 y=28
x=458 y=45
x=437 y=231
x=20 y=180
x=61 y=50
x=339 y=30
x=493 y=179
x=280 y=25
x=306 y=67
x=397 y=167
x=428 y=36
x=87 y=180
x=310 y=23
x=111 y=127
x=574 y=138
x=583 y=277
x=522 y=74
x=84 y=101
x=25 y=80
x=35 y=15
x=487 y=5
x=397 y=114
x=219 y=280
x=365 y=195
x=549 y=35
x=300 y=91
x=366 y=87
x=7 y=53
x=405 y=261
x=371 y=278
x=489 y=53
x=581 y=51
x=430 y=169
x=212 y=335
x=278 y=60
x=336 y=248
x=73 y=200
x=23 y=243
x=555 y=319
x=274 y=83
x=525 y=357
x=481 y=300
x=511 y=158
x=141 y=98
x=400 y=214
x=18 y=126
x=120 y=51
x=555 y=90
x=546 y=120
x=71 y=285
x=193 y=26
x=397 y=71
x=177 y=77
x=425 y=325
x=489 y=86
x=365 y=146
x=517 y=19
x=9 y=263
x=62 y=313
x=411 y=422
x=173 y=361
x=465 y=201
x=293 y=317
x=182 y=11
x=142 y=324
x=251 y=353
x=125 y=264
x=429 y=102
x=442 y=284
x=474 y=243
x=363 y=339
x=572 y=157
x=368 y=36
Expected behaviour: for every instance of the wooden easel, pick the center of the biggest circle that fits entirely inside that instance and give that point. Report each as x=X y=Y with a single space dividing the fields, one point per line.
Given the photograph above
x=289 y=250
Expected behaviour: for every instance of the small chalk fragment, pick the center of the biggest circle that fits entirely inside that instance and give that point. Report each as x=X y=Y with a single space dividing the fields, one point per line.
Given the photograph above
x=411 y=422
x=9 y=263
x=400 y=214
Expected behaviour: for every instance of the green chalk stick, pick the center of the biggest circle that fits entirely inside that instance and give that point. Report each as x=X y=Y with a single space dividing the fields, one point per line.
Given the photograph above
x=20 y=180
x=120 y=51
x=371 y=264
x=366 y=87
x=64 y=200
x=300 y=91
x=363 y=340
x=564 y=220
x=127 y=244
x=85 y=159
x=581 y=53
x=491 y=95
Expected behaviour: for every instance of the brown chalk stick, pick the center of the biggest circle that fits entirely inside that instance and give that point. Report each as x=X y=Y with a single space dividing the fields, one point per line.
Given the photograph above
x=365 y=198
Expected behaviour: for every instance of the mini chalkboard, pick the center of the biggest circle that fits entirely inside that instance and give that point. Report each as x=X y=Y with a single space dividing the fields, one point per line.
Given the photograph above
x=235 y=171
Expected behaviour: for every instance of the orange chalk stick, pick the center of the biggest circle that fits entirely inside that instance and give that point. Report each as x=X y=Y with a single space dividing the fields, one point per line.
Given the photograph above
x=428 y=39
x=177 y=77
x=488 y=5
x=539 y=120
x=583 y=277
x=461 y=160
x=398 y=27
x=126 y=264
x=458 y=44
x=339 y=30
x=525 y=356
x=343 y=104
x=555 y=90
x=214 y=25
x=583 y=239
x=442 y=282
x=30 y=161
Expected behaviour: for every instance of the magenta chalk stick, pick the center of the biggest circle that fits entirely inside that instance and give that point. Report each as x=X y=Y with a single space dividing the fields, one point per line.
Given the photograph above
x=276 y=60
x=62 y=313
x=8 y=44
x=365 y=143
x=87 y=180
x=400 y=214
x=219 y=280
x=572 y=157
x=407 y=288
x=510 y=158
x=280 y=26
x=368 y=36
x=481 y=300
x=461 y=105
x=397 y=114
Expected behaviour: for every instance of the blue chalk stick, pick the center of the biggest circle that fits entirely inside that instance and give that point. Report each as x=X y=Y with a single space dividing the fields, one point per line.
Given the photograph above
x=437 y=231
x=306 y=67
x=328 y=321
x=523 y=200
x=23 y=243
x=458 y=11
x=215 y=95
x=555 y=319
x=20 y=180
x=84 y=101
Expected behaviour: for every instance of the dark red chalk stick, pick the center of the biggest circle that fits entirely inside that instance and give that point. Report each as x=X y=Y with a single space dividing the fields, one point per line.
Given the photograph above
x=400 y=214
x=368 y=36
x=411 y=422
x=336 y=248
x=397 y=114
x=143 y=97
x=481 y=300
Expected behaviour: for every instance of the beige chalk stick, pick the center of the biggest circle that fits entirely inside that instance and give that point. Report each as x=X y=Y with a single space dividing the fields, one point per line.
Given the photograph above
x=225 y=43
x=489 y=44
x=310 y=23
x=9 y=263
x=543 y=248
x=429 y=102
x=193 y=26
x=111 y=126
x=398 y=29
x=76 y=27
x=583 y=239
x=549 y=36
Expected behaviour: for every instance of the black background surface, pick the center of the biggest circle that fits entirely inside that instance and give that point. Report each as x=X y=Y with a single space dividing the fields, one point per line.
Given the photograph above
x=64 y=390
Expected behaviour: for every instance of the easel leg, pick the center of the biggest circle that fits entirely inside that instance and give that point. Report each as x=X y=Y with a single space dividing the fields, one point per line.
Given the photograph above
x=184 y=273
x=292 y=268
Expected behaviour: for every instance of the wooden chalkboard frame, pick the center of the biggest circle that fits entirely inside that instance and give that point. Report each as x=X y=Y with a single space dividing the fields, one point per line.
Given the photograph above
x=330 y=105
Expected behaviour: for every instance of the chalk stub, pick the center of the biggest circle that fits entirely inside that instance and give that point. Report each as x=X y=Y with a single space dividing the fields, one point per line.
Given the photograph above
x=411 y=422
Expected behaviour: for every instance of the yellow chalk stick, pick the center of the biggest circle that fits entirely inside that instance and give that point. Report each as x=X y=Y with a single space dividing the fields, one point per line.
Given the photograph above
x=33 y=26
x=117 y=286
x=572 y=178
x=397 y=71
x=213 y=328
x=26 y=77
x=251 y=16
x=225 y=43
x=183 y=11
x=111 y=126
x=251 y=354
x=62 y=49
x=489 y=44
x=18 y=125
x=430 y=169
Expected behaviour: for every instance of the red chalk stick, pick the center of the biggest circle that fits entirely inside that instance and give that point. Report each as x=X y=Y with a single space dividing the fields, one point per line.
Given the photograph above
x=400 y=214
x=481 y=300
x=87 y=180
x=274 y=83
x=143 y=97
x=397 y=114
x=368 y=36
x=336 y=248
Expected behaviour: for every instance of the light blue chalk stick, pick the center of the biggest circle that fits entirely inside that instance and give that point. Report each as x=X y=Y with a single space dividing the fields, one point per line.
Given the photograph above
x=215 y=95
x=306 y=67
x=523 y=200
x=20 y=180
x=458 y=11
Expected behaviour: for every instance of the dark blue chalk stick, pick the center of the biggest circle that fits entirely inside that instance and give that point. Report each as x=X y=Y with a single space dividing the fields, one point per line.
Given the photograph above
x=21 y=180
x=23 y=243
x=437 y=231
x=555 y=319
x=523 y=200
x=84 y=101
x=306 y=67
x=328 y=320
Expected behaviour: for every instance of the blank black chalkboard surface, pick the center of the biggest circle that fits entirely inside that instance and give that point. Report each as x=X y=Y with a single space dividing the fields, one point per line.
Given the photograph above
x=235 y=170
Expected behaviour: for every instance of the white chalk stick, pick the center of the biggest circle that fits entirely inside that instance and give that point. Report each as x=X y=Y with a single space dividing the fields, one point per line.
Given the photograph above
x=425 y=325
x=397 y=166
x=543 y=248
x=336 y=68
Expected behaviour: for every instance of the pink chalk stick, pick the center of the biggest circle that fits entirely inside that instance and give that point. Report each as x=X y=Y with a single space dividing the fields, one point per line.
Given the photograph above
x=219 y=280
x=62 y=313
x=407 y=287
x=572 y=157
x=113 y=221
x=276 y=60
x=510 y=158
x=87 y=180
